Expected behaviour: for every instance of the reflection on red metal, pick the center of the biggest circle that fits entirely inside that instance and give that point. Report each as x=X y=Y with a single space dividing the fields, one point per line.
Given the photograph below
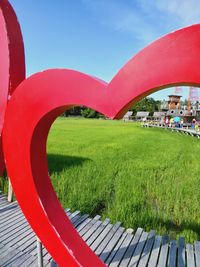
x=37 y=102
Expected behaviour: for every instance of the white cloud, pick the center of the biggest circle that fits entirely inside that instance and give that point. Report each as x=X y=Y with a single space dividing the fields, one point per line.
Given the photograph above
x=145 y=20
x=184 y=12
x=122 y=17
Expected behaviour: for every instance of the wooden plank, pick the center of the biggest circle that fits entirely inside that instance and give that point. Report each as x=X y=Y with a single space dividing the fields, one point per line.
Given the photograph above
x=67 y=210
x=46 y=255
x=3 y=204
x=197 y=253
x=172 y=254
x=121 y=251
x=9 y=225
x=155 y=252
x=111 y=244
x=6 y=227
x=32 y=249
x=190 y=255
x=97 y=232
x=91 y=231
x=131 y=248
x=18 y=260
x=3 y=249
x=101 y=237
x=16 y=234
x=164 y=251
x=107 y=238
x=76 y=218
x=20 y=239
x=147 y=250
x=8 y=256
x=83 y=224
x=12 y=229
x=74 y=214
x=10 y=214
x=35 y=264
x=138 y=251
x=114 y=251
x=20 y=244
x=181 y=252
x=81 y=220
x=8 y=209
x=30 y=245
x=88 y=226
x=2 y=196
x=28 y=262
x=3 y=199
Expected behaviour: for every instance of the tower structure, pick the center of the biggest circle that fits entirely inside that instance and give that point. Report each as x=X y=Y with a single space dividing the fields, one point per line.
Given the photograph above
x=193 y=97
x=174 y=102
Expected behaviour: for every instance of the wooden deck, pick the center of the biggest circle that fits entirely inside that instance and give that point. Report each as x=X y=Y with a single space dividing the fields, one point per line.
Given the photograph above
x=115 y=245
x=174 y=129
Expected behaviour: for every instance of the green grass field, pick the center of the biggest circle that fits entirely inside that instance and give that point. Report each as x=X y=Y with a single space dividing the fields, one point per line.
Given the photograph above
x=146 y=178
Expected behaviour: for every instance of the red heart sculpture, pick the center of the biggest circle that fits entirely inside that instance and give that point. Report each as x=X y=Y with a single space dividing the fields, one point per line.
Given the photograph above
x=38 y=100
x=12 y=67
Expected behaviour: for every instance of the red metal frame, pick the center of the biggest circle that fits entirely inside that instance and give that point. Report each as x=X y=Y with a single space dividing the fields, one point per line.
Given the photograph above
x=38 y=101
x=12 y=61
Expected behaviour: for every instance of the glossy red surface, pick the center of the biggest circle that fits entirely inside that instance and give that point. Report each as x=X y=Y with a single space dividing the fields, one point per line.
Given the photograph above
x=12 y=61
x=38 y=100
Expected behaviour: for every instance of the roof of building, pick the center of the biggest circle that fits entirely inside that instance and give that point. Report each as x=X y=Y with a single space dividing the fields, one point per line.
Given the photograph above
x=159 y=114
x=142 y=114
x=128 y=114
x=175 y=96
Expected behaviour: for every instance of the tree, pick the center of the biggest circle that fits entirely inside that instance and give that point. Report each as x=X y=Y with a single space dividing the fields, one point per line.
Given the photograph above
x=147 y=104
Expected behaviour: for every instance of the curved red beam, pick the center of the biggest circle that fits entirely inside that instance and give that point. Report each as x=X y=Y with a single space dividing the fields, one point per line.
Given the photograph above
x=41 y=98
x=31 y=116
x=171 y=60
x=12 y=61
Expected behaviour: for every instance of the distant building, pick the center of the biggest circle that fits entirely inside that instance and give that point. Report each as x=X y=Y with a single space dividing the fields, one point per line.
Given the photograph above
x=174 y=102
x=141 y=115
x=127 y=116
x=173 y=108
x=159 y=115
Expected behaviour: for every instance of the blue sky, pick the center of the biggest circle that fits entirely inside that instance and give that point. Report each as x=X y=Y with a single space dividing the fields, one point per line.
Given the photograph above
x=97 y=36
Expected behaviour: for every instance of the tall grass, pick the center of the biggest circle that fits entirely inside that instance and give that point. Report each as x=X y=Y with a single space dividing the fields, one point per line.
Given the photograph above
x=146 y=178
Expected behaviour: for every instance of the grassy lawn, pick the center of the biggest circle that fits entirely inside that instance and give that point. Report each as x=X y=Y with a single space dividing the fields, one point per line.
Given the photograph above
x=146 y=178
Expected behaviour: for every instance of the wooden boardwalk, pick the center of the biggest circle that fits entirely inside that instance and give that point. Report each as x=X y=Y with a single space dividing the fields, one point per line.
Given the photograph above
x=174 y=129
x=115 y=245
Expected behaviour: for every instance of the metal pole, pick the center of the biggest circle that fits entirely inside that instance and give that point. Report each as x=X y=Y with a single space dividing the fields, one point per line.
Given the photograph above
x=39 y=253
x=10 y=191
